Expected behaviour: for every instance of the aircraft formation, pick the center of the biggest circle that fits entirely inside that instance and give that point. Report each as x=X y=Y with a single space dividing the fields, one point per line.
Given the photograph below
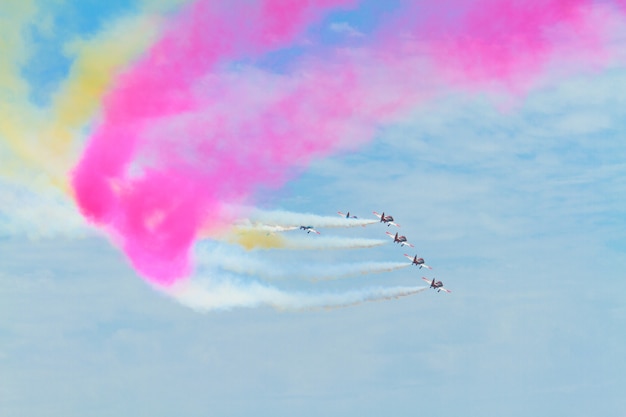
x=397 y=238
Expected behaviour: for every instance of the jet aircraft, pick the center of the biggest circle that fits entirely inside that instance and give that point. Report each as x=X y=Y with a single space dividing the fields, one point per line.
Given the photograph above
x=399 y=239
x=385 y=219
x=417 y=261
x=309 y=229
x=437 y=285
x=347 y=216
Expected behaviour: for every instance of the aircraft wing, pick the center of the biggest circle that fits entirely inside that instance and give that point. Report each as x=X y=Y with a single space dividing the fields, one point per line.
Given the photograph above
x=390 y=235
x=406 y=255
x=426 y=266
x=429 y=282
x=406 y=244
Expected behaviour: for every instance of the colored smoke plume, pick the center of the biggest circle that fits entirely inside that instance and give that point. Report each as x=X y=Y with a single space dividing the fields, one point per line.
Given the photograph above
x=195 y=126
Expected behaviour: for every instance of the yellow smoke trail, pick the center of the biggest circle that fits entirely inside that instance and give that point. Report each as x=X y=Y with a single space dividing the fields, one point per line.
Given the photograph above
x=96 y=62
x=14 y=15
x=13 y=88
x=253 y=239
x=35 y=141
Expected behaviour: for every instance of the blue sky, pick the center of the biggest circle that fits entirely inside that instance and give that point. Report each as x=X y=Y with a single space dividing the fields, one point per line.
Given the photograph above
x=520 y=211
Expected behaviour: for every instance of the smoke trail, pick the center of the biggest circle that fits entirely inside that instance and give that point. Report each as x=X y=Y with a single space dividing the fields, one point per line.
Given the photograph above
x=253 y=235
x=486 y=43
x=290 y=219
x=254 y=239
x=229 y=259
x=48 y=140
x=330 y=243
x=13 y=88
x=183 y=133
x=266 y=228
x=95 y=63
x=321 y=273
x=176 y=191
x=206 y=295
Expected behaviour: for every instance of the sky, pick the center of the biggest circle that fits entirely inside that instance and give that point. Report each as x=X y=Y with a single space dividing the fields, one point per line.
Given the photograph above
x=155 y=155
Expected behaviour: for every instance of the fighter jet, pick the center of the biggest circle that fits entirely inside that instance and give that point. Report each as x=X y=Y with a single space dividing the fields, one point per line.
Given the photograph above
x=399 y=239
x=309 y=229
x=347 y=216
x=385 y=219
x=417 y=261
x=437 y=285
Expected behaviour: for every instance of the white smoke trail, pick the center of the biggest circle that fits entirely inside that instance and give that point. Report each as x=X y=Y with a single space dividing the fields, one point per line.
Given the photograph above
x=258 y=240
x=291 y=219
x=230 y=259
x=205 y=295
x=326 y=273
x=331 y=242
x=265 y=227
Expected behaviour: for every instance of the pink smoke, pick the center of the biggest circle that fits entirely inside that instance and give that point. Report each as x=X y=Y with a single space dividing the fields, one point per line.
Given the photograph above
x=476 y=44
x=182 y=135
x=156 y=214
